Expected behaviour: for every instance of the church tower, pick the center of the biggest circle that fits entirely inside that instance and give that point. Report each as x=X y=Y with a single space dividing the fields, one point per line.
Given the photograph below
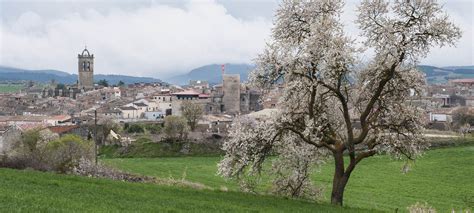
x=86 y=70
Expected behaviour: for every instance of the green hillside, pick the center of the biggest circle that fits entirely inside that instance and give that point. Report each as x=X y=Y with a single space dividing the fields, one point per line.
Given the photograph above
x=441 y=178
x=31 y=191
x=11 y=88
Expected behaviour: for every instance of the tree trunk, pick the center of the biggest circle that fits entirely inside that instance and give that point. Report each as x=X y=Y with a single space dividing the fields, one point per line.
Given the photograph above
x=337 y=194
x=340 y=179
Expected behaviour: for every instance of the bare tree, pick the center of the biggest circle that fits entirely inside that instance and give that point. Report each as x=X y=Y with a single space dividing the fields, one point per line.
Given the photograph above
x=192 y=112
x=104 y=126
x=176 y=127
x=333 y=103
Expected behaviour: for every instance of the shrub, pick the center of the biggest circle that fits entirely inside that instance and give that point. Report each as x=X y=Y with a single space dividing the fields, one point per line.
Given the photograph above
x=44 y=151
x=153 y=128
x=143 y=140
x=29 y=150
x=64 y=154
x=135 y=128
x=421 y=208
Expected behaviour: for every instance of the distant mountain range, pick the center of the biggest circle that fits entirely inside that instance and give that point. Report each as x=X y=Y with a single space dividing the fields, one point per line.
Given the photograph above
x=45 y=76
x=435 y=75
x=212 y=73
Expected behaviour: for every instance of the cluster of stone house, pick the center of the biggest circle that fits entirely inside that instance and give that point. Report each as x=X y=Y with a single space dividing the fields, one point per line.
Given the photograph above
x=57 y=108
x=440 y=101
x=231 y=97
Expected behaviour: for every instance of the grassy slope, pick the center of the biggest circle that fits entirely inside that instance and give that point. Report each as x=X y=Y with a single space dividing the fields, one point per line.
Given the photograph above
x=151 y=150
x=9 y=88
x=36 y=191
x=443 y=178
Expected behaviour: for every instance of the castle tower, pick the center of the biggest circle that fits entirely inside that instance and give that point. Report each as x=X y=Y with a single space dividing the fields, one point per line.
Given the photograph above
x=231 y=90
x=86 y=70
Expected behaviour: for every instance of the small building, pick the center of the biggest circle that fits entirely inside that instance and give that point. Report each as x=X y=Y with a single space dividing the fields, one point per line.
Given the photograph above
x=440 y=117
x=111 y=113
x=129 y=112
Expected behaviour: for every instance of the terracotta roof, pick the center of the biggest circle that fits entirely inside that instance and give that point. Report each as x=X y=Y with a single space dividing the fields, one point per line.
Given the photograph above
x=23 y=118
x=109 y=110
x=62 y=129
x=128 y=108
x=465 y=80
x=204 y=95
x=161 y=94
x=61 y=117
x=140 y=104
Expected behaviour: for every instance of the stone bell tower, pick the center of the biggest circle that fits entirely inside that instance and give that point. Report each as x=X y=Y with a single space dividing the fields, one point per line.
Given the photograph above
x=86 y=70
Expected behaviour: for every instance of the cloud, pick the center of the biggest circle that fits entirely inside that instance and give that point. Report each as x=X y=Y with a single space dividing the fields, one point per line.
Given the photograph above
x=157 y=41
x=162 y=39
x=461 y=14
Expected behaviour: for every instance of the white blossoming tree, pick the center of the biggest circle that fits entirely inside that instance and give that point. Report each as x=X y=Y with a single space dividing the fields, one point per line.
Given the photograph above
x=333 y=104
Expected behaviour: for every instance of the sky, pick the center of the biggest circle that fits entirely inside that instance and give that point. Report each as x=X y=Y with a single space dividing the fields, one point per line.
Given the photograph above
x=163 y=38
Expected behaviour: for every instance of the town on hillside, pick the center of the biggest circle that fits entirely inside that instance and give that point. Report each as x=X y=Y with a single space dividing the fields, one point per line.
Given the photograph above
x=286 y=106
x=66 y=109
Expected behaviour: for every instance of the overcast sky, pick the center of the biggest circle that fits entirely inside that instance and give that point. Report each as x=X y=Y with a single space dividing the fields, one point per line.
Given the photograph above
x=160 y=38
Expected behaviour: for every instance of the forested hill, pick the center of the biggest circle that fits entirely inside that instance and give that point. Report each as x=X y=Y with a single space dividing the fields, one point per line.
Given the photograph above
x=44 y=76
x=443 y=74
x=212 y=73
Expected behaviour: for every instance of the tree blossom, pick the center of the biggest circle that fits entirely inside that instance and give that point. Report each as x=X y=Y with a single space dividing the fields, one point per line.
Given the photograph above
x=333 y=104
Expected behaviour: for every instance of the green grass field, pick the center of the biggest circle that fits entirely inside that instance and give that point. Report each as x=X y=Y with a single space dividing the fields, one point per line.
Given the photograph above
x=32 y=191
x=9 y=88
x=442 y=178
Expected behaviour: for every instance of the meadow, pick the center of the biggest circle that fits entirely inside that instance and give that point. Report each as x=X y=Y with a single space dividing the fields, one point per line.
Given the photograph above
x=10 y=88
x=442 y=178
x=33 y=191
